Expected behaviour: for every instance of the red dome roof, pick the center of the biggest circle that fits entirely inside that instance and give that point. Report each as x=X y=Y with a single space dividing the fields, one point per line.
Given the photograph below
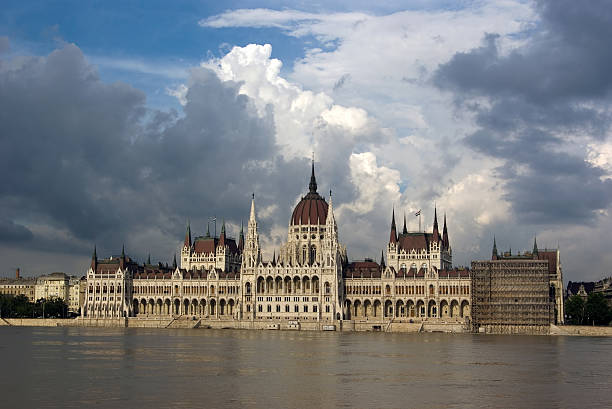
x=312 y=209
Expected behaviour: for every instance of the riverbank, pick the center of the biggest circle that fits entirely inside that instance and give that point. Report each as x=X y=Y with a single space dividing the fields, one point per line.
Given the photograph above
x=344 y=326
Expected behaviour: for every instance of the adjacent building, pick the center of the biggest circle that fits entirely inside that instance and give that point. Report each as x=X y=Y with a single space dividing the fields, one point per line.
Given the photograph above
x=19 y=286
x=515 y=292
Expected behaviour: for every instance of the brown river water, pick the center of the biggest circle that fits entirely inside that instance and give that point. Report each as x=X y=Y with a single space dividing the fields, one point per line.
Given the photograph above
x=153 y=368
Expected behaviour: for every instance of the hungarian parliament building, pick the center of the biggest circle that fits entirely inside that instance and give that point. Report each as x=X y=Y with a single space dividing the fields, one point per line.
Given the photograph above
x=309 y=278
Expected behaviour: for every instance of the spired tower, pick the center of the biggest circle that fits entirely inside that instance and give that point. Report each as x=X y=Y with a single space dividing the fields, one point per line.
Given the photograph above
x=420 y=251
x=251 y=259
x=305 y=282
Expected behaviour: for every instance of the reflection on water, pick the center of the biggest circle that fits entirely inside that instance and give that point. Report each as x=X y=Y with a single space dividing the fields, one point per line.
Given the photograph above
x=129 y=367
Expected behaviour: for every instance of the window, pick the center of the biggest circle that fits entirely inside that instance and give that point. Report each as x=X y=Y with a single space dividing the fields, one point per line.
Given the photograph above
x=269 y=308
x=260 y=308
x=314 y=308
x=296 y=309
x=327 y=308
x=286 y=308
x=305 y=308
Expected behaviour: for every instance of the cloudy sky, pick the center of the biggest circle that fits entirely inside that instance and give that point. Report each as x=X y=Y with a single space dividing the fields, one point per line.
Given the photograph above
x=120 y=121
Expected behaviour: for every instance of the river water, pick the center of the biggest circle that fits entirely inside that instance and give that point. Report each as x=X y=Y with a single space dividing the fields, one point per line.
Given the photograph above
x=151 y=368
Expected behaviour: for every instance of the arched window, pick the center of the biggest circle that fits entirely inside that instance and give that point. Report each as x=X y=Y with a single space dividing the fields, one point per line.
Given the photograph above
x=313 y=254
x=304 y=255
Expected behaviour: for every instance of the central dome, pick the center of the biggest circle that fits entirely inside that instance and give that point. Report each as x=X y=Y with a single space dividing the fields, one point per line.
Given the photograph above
x=312 y=209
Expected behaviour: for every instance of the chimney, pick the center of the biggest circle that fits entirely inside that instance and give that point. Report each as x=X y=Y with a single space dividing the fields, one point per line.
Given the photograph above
x=17 y=274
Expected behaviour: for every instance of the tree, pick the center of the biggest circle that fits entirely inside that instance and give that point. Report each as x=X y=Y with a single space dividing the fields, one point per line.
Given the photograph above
x=574 y=310
x=596 y=310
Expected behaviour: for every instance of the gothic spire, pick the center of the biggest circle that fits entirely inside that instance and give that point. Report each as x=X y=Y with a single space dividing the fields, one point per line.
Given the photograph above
x=436 y=233
x=535 y=245
x=252 y=215
x=393 y=234
x=222 y=235
x=241 y=238
x=445 y=233
x=94 y=259
x=404 y=230
x=494 y=253
x=174 y=262
x=188 y=235
x=123 y=251
x=382 y=259
x=313 y=180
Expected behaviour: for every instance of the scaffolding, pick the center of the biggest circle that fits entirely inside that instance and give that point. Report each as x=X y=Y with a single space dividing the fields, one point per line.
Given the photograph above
x=511 y=294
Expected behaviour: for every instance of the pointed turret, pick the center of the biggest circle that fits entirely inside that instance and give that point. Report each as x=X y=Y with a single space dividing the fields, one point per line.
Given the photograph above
x=252 y=215
x=94 y=259
x=404 y=230
x=331 y=219
x=149 y=259
x=535 y=247
x=122 y=258
x=251 y=255
x=188 y=236
x=222 y=236
x=274 y=258
x=494 y=255
x=445 y=241
x=382 y=260
x=436 y=232
x=241 y=238
x=393 y=234
x=313 y=180
x=174 y=262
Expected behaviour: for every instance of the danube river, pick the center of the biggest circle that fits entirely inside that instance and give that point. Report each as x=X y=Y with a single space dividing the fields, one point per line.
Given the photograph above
x=95 y=367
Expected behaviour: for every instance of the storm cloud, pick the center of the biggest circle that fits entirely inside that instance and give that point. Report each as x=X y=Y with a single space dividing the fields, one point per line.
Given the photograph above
x=91 y=163
x=538 y=106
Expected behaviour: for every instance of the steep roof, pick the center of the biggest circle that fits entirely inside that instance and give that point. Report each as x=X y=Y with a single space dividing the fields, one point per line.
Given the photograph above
x=365 y=269
x=415 y=241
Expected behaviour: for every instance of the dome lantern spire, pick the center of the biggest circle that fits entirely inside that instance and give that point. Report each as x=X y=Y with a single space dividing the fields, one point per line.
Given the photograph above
x=313 y=180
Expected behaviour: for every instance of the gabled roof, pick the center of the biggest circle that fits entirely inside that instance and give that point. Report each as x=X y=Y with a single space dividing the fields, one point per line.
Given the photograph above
x=415 y=241
x=365 y=269
x=208 y=245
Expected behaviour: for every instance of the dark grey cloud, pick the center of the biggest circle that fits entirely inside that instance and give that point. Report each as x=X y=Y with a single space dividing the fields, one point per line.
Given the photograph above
x=556 y=85
x=12 y=232
x=93 y=164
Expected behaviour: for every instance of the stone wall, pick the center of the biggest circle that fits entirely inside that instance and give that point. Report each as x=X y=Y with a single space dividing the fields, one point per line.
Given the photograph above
x=584 y=330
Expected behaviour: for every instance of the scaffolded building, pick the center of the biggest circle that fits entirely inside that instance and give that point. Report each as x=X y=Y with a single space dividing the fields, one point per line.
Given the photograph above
x=512 y=294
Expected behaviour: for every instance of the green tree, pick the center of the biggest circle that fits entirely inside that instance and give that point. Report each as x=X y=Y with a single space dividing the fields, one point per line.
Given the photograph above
x=596 y=310
x=574 y=310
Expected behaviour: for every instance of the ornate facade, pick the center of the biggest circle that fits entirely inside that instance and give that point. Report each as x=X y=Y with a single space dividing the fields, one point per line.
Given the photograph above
x=309 y=279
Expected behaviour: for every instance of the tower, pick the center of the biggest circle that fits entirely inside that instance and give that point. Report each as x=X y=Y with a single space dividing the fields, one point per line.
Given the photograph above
x=251 y=255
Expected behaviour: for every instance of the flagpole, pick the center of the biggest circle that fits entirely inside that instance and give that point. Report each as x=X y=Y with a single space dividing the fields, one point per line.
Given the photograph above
x=419 y=221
